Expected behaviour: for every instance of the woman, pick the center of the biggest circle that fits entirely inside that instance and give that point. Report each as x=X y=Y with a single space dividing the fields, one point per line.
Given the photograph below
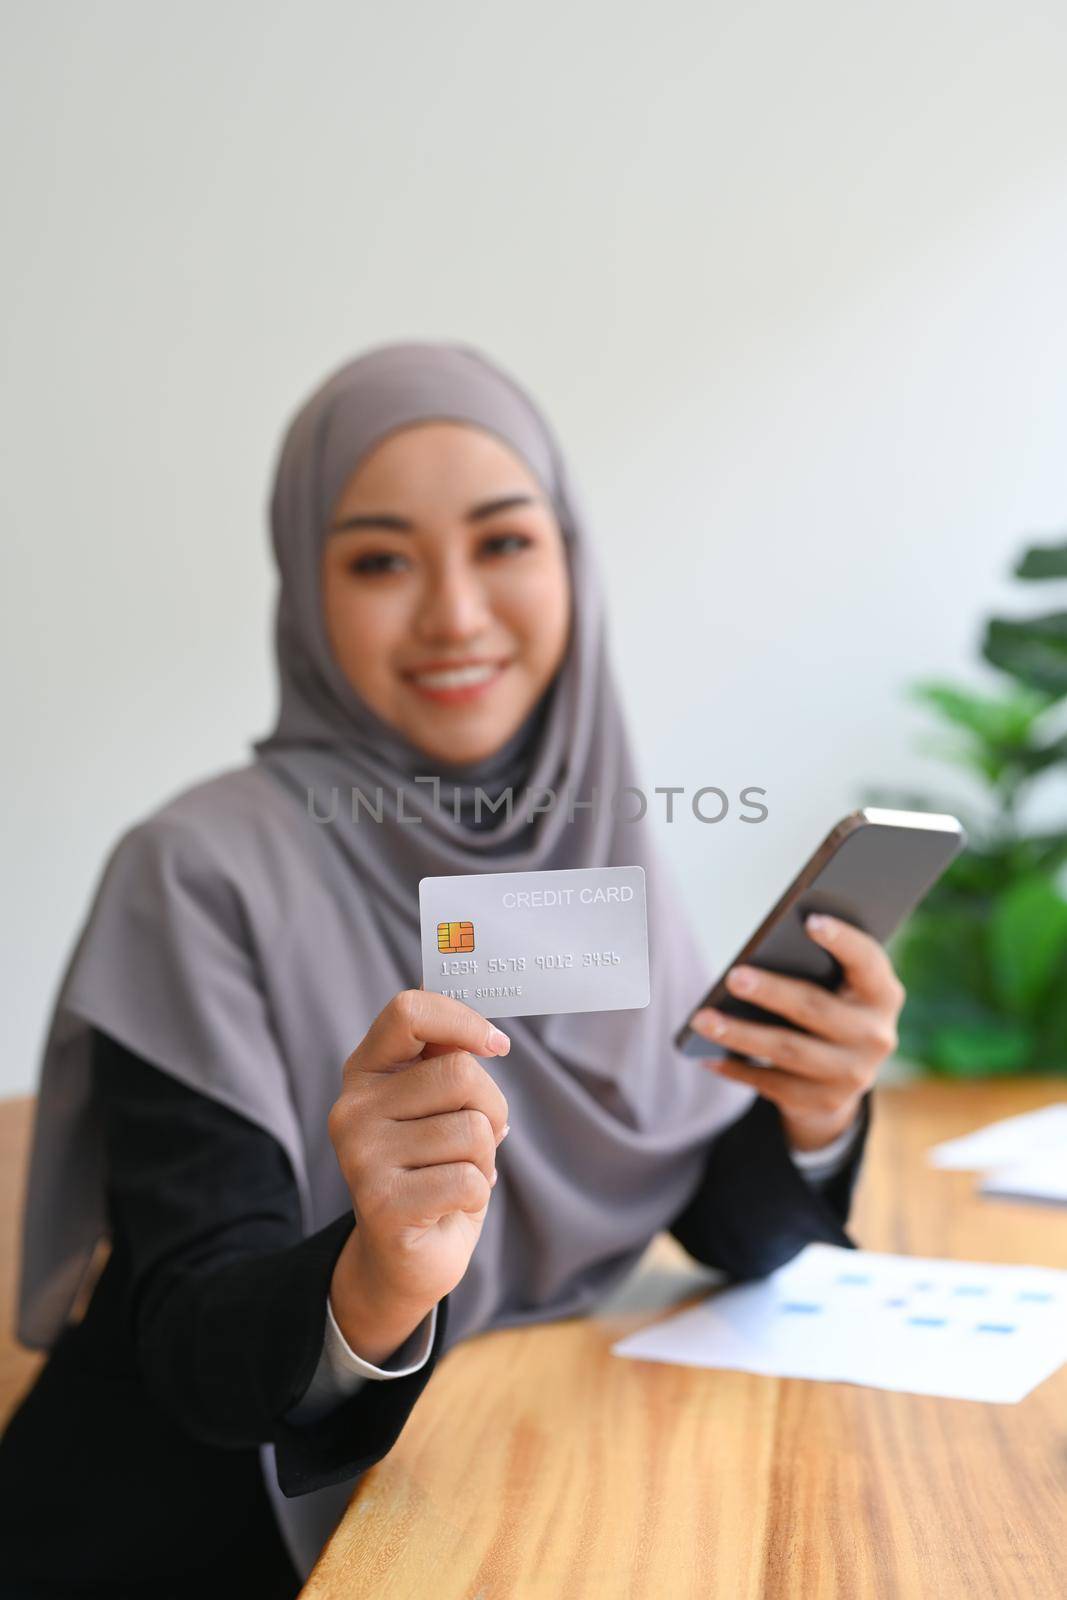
x=298 y=1228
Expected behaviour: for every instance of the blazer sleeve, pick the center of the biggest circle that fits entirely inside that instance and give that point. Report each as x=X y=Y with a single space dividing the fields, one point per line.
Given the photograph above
x=754 y=1209
x=225 y=1299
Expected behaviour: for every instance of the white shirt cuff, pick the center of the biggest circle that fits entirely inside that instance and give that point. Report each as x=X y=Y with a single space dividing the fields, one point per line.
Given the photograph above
x=414 y=1351
x=819 y=1166
x=341 y=1371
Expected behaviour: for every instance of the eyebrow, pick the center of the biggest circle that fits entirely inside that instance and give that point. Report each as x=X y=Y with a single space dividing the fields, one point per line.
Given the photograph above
x=389 y=519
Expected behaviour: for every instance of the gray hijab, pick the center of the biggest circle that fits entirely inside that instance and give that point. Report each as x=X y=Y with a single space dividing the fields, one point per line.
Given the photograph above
x=245 y=947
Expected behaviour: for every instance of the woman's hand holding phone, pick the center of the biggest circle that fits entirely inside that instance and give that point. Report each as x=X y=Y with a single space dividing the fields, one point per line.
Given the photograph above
x=415 y=1130
x=817 y=1079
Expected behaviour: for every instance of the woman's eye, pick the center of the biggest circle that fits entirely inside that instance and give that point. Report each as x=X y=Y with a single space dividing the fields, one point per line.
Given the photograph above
x=376 y=562
x=500 y=543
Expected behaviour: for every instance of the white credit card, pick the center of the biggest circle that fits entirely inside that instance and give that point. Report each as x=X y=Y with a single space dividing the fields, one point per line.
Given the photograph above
x=519 y=944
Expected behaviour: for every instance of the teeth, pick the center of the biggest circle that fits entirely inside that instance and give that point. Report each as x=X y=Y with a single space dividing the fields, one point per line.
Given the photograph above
x=457 y=677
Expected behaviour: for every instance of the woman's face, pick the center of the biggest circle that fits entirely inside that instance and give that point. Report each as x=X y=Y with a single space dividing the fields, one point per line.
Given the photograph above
x=445 y=586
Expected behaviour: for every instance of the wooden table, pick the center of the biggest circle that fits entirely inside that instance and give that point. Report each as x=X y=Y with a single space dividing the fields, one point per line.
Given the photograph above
x=18 y=1366
x=537 y=1465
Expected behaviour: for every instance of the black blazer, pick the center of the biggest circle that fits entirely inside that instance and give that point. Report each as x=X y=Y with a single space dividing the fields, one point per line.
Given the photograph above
x=131 y=1466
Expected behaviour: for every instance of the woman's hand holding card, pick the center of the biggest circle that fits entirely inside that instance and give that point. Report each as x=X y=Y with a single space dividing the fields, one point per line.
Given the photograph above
x=415 y=1130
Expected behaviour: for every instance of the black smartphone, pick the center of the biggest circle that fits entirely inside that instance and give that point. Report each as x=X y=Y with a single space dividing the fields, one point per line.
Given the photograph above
x=871 y=870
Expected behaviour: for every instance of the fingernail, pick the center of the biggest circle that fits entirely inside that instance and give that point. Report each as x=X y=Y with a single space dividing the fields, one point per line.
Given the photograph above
x=499 y=1042
x=743 y=979
x=492 y=1180
x=821 y=925
x=708 y=1021
x=507 y=1130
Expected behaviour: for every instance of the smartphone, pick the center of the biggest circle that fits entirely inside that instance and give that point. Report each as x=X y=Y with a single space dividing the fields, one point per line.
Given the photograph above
x=871 y=870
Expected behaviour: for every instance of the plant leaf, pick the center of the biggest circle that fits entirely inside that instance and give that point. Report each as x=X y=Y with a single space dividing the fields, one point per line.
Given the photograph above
x=1041 y=852
x=1002 y=720
x=1033 y=650
x=1038 y=757
x=1043 y=561
x=982 y=1051
x=1027 y=943
x=1050 y=1047
x=940 y=956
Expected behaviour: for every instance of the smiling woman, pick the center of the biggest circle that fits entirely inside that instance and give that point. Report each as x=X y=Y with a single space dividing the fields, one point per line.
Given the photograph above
x=313 y=1176
x=445 y=588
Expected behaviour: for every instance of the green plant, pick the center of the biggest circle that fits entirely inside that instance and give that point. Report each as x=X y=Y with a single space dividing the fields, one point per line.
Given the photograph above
x=984 y=958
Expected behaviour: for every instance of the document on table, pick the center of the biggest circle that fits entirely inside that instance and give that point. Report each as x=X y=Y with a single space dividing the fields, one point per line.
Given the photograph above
x=965 y=1330
x=1023 y=1157
x=1039 y=1177
x=1006 y=1143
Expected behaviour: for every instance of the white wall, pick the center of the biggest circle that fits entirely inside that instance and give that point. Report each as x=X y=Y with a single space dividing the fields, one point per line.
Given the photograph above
x=789 y=279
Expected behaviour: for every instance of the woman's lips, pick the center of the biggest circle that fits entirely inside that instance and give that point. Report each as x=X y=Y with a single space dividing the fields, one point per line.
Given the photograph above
x=458 y=684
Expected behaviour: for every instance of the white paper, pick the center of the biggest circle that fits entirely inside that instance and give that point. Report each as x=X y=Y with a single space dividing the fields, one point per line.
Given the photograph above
x=966 y=1330
x=1041 y=1177
x=1005 y=1143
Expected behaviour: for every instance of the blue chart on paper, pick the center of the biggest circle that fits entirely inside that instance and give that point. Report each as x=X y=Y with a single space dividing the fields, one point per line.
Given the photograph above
x=963 y=1329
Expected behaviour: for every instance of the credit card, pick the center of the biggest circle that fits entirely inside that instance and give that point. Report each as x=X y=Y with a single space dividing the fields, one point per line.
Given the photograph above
x=520 y=944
